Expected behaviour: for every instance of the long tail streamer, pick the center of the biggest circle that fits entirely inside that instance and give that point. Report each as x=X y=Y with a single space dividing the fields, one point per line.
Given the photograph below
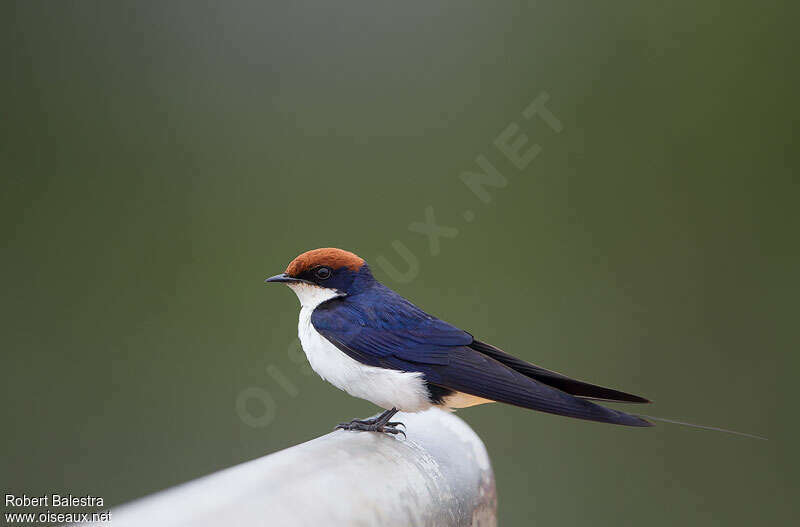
x=714 y=428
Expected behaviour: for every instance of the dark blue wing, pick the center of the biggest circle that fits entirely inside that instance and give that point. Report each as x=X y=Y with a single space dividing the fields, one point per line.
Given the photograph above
x=390 y=329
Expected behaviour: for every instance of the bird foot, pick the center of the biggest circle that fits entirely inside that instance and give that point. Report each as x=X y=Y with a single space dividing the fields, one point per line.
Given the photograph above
x=361 y=426
x=380 y=423
x=367 y=422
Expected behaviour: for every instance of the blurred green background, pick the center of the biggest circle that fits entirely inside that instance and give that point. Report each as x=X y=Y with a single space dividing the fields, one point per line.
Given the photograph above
x=160 y=159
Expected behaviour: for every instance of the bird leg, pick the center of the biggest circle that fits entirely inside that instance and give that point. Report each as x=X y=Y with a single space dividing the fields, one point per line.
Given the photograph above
x=380 y=423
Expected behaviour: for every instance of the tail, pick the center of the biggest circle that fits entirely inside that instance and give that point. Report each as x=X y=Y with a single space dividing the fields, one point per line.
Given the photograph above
x=703 y=427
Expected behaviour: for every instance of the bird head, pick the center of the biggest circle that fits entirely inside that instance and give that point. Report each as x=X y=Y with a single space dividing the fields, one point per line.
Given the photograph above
x=321 y=274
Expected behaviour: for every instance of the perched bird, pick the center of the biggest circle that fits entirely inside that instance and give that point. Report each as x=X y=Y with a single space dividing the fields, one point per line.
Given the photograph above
x=367 y=340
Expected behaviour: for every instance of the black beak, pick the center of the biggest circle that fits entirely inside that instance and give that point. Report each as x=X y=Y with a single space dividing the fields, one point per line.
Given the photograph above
x=283 y=277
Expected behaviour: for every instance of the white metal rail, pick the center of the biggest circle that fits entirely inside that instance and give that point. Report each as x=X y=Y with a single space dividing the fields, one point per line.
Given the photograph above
x=439 y=475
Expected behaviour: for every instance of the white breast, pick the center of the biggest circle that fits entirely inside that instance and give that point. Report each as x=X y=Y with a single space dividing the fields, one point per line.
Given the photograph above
x=386 y=388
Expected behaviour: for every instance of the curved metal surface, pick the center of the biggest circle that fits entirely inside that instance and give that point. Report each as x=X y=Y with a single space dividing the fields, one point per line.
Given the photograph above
x=439 y=475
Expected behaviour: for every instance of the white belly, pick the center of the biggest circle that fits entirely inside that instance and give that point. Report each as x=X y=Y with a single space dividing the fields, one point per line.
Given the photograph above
x=386 y=388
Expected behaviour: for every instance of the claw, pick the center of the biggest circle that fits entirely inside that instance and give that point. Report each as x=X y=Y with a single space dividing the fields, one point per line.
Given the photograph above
x=393 y=431
x=396 y=423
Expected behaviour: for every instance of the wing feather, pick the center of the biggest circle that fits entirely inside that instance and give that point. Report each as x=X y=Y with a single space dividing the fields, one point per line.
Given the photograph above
x=554 y=379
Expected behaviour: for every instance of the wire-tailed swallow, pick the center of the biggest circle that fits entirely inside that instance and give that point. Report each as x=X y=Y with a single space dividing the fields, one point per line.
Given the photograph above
x=367 y=340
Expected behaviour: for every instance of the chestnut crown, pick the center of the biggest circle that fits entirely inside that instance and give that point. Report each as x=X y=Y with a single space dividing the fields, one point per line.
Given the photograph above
x=329 y=268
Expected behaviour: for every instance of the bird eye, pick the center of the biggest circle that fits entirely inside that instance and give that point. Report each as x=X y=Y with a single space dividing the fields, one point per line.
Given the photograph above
x=323 y=273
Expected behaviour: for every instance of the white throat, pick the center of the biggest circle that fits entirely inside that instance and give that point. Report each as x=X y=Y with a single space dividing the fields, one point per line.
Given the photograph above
x=311 y=296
